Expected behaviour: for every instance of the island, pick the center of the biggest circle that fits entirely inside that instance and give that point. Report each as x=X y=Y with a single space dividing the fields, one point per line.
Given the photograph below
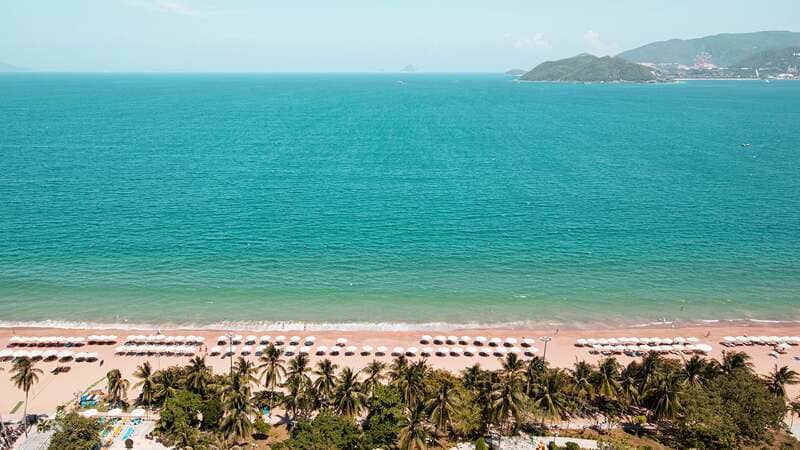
x=586 y=68
x=515 y=72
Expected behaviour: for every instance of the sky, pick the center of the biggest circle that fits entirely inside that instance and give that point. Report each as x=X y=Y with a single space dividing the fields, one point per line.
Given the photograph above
x=354 y=35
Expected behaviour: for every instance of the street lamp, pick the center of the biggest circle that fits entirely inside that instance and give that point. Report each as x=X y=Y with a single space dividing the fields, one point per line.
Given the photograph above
x=545 y=339
x=230 y=354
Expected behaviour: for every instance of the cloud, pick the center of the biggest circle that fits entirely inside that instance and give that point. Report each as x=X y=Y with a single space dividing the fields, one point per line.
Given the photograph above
x=535 y=41
x=597 y=44
x=178 y=7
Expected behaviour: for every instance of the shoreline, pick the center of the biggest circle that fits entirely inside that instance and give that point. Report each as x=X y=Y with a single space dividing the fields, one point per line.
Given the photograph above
x=53 y=390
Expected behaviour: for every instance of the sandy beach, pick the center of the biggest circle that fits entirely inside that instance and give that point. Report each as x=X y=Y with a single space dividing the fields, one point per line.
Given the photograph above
x=53 y=390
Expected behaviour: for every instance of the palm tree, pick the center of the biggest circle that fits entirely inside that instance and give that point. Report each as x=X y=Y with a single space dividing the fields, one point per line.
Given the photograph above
x=511 y=366
x=272 y=370
x=442 y=407
x=507 y=401
x=582 y=374
x=326 y=379
x=733 y=361
x=779 y=378
x=607 y=378
x=117 y=387
x=629 y=382
x=246 y=371
x=145 y=374
x=550 y=395
x=167 y=384
x=374 y=373
x=416 y=433
x=398 y=368
x=794 y=410
x=197 y=375
x=349 y=398
x=25 y=375
x=648 y=369
x=533 y=373
x=412 y=383
x=664 y=396
x=299 y=399
x=694 y=371
x=470 y=376
x=236 y=424
x=299 y=368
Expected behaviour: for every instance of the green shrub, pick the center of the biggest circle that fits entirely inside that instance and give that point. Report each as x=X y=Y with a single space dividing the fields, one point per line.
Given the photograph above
x=480 y=444
x=260 y=428
x=572 y=446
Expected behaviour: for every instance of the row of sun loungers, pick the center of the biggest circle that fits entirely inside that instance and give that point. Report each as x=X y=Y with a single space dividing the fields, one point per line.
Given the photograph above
x=46 y=341
x=264 y=340
x=367 y=350
x=785 y=341
x=633 y=349
x=177 y=350
x=163 y=339
x=636 y=340
x=48 y=355
x=477 y=341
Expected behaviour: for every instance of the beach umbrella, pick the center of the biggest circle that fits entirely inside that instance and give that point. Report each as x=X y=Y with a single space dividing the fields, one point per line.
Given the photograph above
x=80 y=356
x=782 y=345
x=425 y=339
x=613 y=341
x=116 y=412
x=310 y=340
x=20 y=354
x=678 y=347
x=480 y=340
x=495 y=341
x=366 y=350
x=321 y=349
x=199 y=339
x=740 y=340
x=729 y=340
x=15 y=339
x=531 y=351
x=763 y=339
x=465 y=340
x=280 y=339
x=516 y=350
x=451 y=340
x=442 y=351
x=705 y=348
x=231 y=350
x=632 y=348
x=6 y=353
x=260 y=350
x=35 y=354
x=794 y=340
x=439 y=339
x=692 y=339
x=89 y=413
x=411 y=351
x=510 y=342
x=397 y=351
x=427 y=351
x=341 y=342
x=246 y=349
x=121 y=350
x=580 y=342
x=169 y=340
x=528 y=342
x=620 y=348
x=633 y=340
x=456 y=351
x=484 y=352
x=294 y=340
x=602 y=341
x=381 y=350
x=138 y=412
x=64 y=354
x=666 y=341
x=679 y=340
x=180 y=339
x=222 y=340
x=592 y=341
x=334 y=350
x=655 y=341
x=499 y=351
x=305 y=350
x=215 y=350
x=265 y=339
x=47 y=354
x=237 y=339
x=470 y=351
x=250 y=340
x=161 y=338
x=350 y=350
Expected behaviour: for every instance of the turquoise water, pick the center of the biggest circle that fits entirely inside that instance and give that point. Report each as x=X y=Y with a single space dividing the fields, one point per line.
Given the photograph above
x=209 y=199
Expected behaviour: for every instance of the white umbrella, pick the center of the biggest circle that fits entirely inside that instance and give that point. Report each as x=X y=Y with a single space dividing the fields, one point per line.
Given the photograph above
x=321 y=349
x=246 y=349
x=602 y=341
x=480 y=340
x=484 y=352
x=35 y=354
x=47 y=354
x=516 y=350
x=531 y=351
x=500 y=351
x=181 y=339
x=633 y=340
x=91 y=356
x=666 y=341
x=222 y=340
x=452 y=340
x=456 y=351
x=64 y=354
x=705 y=348
x=425 y=339
x=6 y=353
x=469 y=351
x=495 y=341
x=442 y=351
x=613 y=341
x=591 y=341
x=366 y=350
x=250 y=339
x=306 y=349
x=260 y=349
x=310 y=340
x=341 y=342
x=265 y=339
x=528 y=342
x=411 y=351
x=199 y=339
x=510 y=342
x=381 y=350
x=397 y=351
x=350 y=349
x=89 y=413
x=679 y=340
x=465 y=340
x=215 y=350
x=294 y=340
x=280 y=339
x=334 y=350
x=439 y=340
x=427 y=351
x=692 y=339
x=290 y=350
x=781 y=345
x=138 y=412
x=20 y=354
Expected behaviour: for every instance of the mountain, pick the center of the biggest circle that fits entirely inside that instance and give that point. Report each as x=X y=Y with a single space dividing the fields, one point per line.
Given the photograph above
x=772 y=59
x=590 y=68
x=5 y=67
x=515 y=72
x=723 y=49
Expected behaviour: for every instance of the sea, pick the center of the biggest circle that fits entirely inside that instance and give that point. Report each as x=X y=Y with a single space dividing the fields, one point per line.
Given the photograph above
x=395 y=201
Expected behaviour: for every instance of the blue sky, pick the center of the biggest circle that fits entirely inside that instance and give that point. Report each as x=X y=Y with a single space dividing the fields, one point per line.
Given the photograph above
x=354 y=35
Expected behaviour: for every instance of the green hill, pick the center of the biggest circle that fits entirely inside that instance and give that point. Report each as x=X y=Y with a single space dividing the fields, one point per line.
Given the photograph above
x=725 y=49
x=515 y=72
x=590 y=68
x=772 y=59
